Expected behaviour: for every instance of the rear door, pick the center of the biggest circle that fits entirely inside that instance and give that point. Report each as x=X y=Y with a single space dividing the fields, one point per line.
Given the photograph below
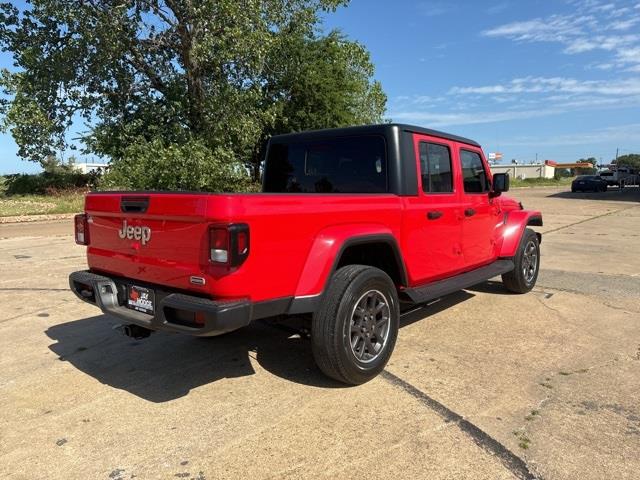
x=432 y=221
x=480 y=215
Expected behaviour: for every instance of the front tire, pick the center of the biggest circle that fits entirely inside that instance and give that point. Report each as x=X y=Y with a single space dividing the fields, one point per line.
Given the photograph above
x=354 y=331
x=527 y=264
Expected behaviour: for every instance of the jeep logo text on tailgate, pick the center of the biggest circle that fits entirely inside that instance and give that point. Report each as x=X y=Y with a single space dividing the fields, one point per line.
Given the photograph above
x=135 y=233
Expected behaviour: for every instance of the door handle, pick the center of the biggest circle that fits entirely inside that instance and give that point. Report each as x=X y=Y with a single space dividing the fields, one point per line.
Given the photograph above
x=469 y=212
x=434 y=214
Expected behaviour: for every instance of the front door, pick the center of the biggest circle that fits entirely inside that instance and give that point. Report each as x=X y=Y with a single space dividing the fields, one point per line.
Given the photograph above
x=479 y=213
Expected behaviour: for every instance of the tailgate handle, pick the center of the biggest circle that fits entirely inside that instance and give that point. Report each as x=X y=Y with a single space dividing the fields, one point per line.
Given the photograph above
x=134 y=204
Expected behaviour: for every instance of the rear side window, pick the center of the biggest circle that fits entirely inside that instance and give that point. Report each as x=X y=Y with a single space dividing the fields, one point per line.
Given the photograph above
x=473 y=173
x=435 y=168
x=337 y=165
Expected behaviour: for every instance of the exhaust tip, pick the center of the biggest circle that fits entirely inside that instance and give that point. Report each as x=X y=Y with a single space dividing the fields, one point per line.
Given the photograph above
x=134 y=331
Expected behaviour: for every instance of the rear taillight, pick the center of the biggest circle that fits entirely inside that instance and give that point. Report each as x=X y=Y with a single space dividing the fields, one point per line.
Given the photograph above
x=219 y=244
x=81 y=229
x=229 y=244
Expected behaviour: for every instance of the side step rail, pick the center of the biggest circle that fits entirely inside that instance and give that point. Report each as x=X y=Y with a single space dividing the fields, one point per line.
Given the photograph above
x=444 y=287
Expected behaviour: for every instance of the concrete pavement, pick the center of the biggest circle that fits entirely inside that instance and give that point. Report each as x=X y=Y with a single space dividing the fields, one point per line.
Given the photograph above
x=483 y=384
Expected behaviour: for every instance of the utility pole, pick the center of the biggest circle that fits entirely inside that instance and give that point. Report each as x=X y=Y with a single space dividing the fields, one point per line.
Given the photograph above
x=617 y=156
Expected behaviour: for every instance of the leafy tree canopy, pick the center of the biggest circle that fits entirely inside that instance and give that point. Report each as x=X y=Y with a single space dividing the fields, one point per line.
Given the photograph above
x=159 y=80
x=592 y=160
x=630 y=160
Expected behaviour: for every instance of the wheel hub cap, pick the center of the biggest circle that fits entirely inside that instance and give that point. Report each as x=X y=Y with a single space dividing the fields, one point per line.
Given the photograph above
x=530 y=261
x=369 y=326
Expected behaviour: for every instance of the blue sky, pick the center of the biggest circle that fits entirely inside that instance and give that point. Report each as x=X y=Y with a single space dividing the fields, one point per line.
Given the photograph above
x=556 y=78
x=560 y=79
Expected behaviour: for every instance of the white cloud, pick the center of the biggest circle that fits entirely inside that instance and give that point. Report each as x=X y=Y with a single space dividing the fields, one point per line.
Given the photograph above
x=435 y=9
x=498 y=8
x=520 y=99
x=625 y=87
x=594 y=26
x=607 y=29
x=438 y=119
x=556 y=28
x=417 y=99
x=629 y=55
x=627 y=133
x=625 y=24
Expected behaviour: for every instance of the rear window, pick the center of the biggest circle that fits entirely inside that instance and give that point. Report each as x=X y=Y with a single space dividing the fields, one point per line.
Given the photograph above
x=338 y=165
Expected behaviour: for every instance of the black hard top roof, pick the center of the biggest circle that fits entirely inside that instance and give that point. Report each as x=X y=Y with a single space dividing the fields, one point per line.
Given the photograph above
x=382 y=129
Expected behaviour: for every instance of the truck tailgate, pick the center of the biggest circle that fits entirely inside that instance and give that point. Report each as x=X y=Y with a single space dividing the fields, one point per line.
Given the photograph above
x=156 y=237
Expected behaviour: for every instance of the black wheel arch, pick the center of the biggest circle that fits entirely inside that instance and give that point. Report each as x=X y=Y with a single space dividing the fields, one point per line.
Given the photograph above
x=535 y=221
x=374 y=250
x=362 y=250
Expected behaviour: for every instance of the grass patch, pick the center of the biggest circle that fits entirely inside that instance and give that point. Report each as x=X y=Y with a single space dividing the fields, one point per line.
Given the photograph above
x=541 y=182
x=17 y=205
x=532 y=415
x=523 y=441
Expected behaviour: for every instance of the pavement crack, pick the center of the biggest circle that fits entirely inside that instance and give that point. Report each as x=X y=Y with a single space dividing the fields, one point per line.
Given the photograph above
x=522 y=432
x=555 y=310
x=553 y=230
x=516 y=465
x=622 y=309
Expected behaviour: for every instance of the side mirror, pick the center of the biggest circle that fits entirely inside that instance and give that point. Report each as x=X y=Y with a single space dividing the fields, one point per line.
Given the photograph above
x=500 y=184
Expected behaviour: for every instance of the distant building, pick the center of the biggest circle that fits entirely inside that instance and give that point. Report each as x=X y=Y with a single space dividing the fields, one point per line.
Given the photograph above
x=87 y=167
x=540 y=170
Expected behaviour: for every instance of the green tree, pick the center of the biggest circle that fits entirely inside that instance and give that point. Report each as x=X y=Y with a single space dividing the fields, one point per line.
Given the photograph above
x=592 y=160
x=156 y=79
x=631 y=160
x=586 y=171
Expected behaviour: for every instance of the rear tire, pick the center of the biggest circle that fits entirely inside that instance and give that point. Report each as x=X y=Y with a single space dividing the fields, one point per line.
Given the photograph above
x=354 y=331
x=527 y=264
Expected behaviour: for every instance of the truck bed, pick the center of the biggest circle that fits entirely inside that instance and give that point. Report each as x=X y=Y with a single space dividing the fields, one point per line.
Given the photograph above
x=282 y=229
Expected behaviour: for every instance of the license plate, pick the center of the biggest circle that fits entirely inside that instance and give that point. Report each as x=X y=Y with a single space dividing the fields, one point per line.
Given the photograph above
x=580 y=183
x=141 y=299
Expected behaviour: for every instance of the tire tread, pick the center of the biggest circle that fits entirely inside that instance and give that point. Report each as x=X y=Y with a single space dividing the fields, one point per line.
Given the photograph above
x=513 y=280
x=326 y=336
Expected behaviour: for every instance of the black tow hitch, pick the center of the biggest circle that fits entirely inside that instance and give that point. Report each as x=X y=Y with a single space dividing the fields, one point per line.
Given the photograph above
x=134 y=331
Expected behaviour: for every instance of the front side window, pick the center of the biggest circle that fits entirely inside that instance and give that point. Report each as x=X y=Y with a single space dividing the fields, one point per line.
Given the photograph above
x=473 y=173
x=435 y=168
x=355 y=164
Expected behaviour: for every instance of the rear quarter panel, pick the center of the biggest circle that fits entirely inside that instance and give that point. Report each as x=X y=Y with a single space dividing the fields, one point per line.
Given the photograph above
x=294 y=239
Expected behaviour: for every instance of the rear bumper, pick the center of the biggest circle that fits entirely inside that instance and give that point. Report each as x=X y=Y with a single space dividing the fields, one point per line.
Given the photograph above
x=172 y=310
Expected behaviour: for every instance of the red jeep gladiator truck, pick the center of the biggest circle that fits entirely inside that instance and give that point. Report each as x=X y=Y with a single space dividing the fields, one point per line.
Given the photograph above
x=352 y=225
